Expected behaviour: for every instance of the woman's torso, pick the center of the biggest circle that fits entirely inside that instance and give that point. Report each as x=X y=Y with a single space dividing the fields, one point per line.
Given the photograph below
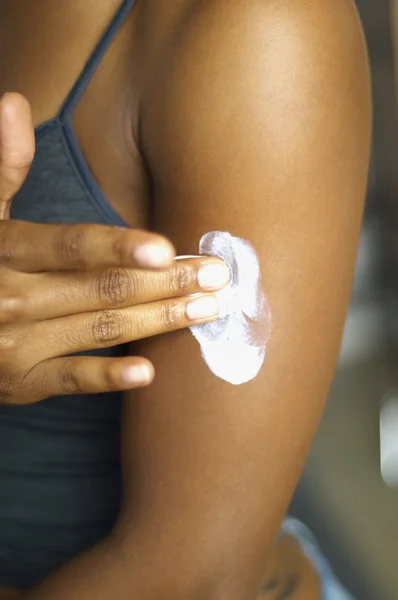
x=59 y=459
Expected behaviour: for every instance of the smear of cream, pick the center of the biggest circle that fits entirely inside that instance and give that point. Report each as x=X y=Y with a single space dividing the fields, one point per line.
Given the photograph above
x=233 y=346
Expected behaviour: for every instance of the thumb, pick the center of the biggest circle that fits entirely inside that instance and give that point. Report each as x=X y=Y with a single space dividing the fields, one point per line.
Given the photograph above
x=17 y=147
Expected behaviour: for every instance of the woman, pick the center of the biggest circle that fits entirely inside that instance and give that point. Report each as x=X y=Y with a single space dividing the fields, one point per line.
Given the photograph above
x=251 y=118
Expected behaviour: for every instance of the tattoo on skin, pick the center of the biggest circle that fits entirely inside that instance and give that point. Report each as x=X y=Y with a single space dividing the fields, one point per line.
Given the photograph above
x=276 y=589
x=271 y=585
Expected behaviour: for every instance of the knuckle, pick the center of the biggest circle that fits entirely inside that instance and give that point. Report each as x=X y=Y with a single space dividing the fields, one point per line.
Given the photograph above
x=14 y=367
x=10 y=388
x=8 y=346
x=107 y=328
x=8 y=242
x=69 y=245
x=12 y=355
x=115 y=287
x=12 y=308
x=68 y=378
x=183 y=279
x=7 y=390
x=171 y=315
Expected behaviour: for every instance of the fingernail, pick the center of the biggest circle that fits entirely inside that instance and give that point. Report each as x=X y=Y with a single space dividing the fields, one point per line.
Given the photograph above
x=213 y=275
x=137 y=374
x=203 y=308
x=153 y=255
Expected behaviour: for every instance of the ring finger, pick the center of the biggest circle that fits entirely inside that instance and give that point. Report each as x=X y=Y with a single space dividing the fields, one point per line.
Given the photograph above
x=102 y=329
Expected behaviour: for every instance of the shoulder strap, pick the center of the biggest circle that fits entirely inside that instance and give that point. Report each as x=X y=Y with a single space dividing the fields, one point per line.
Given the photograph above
x=94 y=60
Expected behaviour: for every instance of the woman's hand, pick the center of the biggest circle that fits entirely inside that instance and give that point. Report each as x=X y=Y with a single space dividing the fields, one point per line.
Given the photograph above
x=71 y=288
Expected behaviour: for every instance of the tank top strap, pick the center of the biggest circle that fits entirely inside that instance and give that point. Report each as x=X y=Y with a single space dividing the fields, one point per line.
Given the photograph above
x=94 y=60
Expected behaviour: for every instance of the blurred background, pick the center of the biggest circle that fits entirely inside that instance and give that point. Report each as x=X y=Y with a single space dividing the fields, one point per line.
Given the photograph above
x=348 y=494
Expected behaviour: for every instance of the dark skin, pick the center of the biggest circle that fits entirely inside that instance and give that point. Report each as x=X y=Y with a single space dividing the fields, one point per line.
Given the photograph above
x=288 y=575
x=221 y=115
x=288 y=572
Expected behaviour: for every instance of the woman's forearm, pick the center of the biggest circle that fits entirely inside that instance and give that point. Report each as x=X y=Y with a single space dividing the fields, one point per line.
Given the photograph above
x=288 y=576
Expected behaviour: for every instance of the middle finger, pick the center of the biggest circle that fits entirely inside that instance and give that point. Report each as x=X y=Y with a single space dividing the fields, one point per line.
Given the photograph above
x=58 y=294
x=103 y=329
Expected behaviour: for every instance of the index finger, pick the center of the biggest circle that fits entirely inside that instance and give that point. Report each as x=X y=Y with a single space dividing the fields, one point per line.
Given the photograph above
x=36 y=247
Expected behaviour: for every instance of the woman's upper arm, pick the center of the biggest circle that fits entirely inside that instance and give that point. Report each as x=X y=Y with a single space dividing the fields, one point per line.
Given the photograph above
x=258 y=124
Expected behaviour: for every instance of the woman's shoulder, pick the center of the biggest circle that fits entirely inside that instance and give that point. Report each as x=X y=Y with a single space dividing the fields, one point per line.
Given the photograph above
x=219 y=17
x=223 y=38
x=273 y=58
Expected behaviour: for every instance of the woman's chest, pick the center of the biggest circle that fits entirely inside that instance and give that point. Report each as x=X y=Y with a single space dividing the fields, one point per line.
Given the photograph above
x=45 y=49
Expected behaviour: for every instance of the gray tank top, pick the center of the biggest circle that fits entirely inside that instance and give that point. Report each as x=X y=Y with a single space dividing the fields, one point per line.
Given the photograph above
x=60 y=475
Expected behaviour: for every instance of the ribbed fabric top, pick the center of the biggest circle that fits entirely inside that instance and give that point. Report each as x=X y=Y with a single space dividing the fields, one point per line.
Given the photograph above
x=60 y=476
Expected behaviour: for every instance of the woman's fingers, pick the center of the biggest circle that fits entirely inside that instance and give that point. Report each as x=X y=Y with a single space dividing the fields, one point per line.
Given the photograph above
x=85 y=375
x=35 y=360
x=17 y=147
x=57 y=294
x=102 y=329
x=37 y=247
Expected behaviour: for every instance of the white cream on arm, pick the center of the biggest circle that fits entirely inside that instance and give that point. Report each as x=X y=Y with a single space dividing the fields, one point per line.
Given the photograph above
x=234 y=345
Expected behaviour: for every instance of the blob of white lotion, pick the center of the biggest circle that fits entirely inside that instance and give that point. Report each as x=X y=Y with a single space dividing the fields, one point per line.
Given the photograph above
x=234 y=345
